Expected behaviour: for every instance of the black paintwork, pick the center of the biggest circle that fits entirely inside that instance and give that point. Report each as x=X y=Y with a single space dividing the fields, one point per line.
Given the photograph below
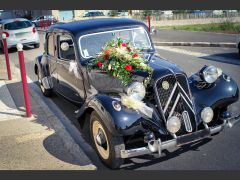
x=124 y=122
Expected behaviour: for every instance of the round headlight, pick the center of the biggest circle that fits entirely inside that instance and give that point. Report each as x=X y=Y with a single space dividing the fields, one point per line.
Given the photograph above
x=136 y=90
x=173 y=124
x=207 y=114
x=211 y=73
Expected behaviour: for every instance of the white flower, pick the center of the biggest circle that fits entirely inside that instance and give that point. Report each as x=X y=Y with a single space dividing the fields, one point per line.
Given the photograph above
x=120 y=51
x=127 y=56
x=109 y=67
x=142 y=64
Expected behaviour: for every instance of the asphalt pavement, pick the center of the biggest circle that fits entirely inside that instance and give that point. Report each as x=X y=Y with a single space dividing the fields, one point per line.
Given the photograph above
x=188 y=36
x=218 y=153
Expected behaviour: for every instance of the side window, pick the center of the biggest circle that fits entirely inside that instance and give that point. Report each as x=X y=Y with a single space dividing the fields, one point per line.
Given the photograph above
x=66 y=54
x=50 y=45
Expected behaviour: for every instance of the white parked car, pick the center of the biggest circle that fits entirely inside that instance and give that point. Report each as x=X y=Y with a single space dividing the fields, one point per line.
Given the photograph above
x=19 y=30
x=167 y=14
x=123 y=14
x=217 y=12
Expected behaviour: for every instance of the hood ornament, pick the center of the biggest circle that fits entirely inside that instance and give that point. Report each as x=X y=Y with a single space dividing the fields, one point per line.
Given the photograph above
x=165 y=85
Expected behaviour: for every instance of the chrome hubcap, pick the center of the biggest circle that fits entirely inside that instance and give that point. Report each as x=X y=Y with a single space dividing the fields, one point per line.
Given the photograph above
x=100 y=139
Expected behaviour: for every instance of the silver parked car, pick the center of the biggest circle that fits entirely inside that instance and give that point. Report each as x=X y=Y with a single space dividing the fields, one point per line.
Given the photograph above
x=19 y=30
x=44 y=20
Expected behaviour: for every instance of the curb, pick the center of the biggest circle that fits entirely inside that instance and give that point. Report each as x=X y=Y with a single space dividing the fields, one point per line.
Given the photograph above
x=197 y=44
x=71 y=137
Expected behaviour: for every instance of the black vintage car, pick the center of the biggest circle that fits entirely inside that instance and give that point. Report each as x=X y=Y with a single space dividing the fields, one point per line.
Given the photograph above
x=180 y=109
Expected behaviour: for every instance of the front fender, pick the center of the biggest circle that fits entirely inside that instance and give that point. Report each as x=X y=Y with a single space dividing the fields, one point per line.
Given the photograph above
x=220 y=95
x=123 y=122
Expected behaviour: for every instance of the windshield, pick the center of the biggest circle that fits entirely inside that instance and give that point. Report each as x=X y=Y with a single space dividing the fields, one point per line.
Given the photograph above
x=92 y=44
x=17 y=25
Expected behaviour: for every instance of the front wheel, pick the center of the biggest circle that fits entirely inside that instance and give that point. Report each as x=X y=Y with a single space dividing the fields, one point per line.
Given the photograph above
x=107 y=145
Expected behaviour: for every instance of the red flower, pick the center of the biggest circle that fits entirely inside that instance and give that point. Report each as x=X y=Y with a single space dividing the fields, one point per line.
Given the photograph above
x=107 y=52
x=99 y=64
x=128 y=67
x=124 y=44
x=135 y=55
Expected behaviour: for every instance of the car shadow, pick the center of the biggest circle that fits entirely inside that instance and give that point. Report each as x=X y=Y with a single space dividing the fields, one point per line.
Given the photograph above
x=229 y=58
x=152 y=159
x=53 y=145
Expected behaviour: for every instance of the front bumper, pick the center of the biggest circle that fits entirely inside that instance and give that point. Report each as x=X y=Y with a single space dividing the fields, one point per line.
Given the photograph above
x=181 y=140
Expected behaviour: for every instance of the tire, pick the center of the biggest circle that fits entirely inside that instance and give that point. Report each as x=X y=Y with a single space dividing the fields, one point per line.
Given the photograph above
x=46 y=92
x=110 y=155
x=239 y=49
x=1 y=47
x=36 y=45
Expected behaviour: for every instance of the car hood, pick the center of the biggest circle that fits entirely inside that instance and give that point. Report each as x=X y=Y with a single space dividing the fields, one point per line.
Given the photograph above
x=102 y=82
x=162 y=67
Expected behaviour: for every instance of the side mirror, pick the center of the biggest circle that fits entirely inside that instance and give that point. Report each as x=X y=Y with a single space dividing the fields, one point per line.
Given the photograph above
x=64 y=46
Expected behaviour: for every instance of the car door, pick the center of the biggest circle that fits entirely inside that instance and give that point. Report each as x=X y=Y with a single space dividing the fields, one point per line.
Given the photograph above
x=51 y=56
x=69 y=76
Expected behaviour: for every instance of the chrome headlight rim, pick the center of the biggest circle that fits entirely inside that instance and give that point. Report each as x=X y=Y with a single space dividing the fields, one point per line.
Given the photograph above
x=136 y=90
x=211 y=73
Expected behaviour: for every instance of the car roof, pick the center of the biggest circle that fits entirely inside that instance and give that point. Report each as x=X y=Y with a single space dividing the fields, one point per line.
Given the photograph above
x=4 y=21
x=96 y=25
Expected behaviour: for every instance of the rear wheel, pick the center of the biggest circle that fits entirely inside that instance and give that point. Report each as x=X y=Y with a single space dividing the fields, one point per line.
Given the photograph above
x=107 y=145
x=36 y=45
x=1 y=47
x=239 y=49
x=46 y=92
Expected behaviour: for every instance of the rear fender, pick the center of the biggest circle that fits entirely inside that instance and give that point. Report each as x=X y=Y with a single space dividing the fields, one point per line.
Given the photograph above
x=42 y=67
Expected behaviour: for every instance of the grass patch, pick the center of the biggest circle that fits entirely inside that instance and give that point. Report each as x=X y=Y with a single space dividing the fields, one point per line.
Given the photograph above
x=225 y=27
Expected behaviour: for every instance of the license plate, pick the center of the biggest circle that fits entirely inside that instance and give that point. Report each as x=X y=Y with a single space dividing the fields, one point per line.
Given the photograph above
x=196 y=136
x=21 y=34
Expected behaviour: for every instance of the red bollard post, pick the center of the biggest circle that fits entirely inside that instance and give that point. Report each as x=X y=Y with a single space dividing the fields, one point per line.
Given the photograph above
x=24 y=80
x=41 y=23
x=4 y=36
x=149 y=23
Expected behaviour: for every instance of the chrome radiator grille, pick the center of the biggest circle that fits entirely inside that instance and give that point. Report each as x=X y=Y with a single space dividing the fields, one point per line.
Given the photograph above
x=173 y=98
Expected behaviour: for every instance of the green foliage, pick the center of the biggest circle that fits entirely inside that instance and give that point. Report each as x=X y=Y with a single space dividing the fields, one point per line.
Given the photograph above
x=225 y=26
x=113 y=13
x=146 y=13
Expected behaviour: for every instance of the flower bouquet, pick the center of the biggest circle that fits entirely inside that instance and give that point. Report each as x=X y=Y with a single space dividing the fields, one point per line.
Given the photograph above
x=121 y=60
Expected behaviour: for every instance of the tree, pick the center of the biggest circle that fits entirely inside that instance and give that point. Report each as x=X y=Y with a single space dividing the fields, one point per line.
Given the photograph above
x=113 y=13
x=146 y=13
